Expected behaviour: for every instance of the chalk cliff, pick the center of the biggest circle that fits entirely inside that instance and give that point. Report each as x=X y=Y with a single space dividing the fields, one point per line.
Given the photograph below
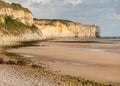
x=65 y=28
x=17 y=24
x=12 y=30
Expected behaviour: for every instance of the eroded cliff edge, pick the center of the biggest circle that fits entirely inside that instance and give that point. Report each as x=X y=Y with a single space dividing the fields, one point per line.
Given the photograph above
x=17 y=24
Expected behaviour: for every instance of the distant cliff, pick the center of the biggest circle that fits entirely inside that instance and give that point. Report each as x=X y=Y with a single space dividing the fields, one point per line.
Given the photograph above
x=17 y=24
x=65 y=28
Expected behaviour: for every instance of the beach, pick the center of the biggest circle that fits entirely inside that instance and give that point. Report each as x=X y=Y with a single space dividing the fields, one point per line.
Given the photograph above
x=95 y=61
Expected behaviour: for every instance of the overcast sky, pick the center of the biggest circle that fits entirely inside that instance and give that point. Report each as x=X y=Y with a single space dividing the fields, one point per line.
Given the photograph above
x=105 y=13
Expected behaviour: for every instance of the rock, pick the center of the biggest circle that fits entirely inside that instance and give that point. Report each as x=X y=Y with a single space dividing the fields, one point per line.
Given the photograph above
x=2 y=61
x=21 y=63
x=10 y=62
x=65 y=28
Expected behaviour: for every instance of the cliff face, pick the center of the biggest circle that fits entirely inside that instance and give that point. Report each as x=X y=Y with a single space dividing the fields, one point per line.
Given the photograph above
x=16 y=11
x=11 y=30
x=64 y=28
x=16 y=24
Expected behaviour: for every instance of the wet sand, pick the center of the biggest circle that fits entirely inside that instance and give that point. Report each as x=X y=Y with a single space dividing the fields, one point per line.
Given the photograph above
x=99 y=62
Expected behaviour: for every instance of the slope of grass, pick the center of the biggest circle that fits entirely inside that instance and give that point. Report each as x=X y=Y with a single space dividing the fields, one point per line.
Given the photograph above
x=14 y=27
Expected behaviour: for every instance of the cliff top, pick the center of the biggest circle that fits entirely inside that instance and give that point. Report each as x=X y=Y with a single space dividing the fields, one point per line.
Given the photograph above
x=14 y=6
x=53 y=22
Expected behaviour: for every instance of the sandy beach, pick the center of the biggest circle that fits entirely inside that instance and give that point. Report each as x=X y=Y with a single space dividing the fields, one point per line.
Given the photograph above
x=96 y=61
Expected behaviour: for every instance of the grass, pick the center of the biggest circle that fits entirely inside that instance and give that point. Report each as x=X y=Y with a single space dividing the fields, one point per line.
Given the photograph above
x=14 y=6
x=83 y=82
x=53 y=21
x=17 y=6
x=4 y=4
x=16 y=56
x=37 y=66
x=79 y=41
x=14 y=27
x=19 y=45
x=22 y=44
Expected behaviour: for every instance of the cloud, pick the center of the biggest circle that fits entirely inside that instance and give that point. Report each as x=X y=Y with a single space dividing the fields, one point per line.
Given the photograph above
x=74 y=2
x=116 y=16
x=38 y=1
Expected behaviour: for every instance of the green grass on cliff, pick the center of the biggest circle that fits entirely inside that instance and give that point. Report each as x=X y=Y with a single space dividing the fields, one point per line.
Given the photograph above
x=3 y=4
x=62 y=20
x=53 y=21
x=16 y=6
x=13 y=27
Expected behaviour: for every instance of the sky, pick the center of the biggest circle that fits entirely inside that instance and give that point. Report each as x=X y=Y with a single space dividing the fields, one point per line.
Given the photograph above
x=104 y=13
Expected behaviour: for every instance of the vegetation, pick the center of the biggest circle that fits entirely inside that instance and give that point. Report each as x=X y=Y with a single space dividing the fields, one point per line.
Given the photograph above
x=53 y=21
x=14 y=6
x=17 y=6
x=78 y=81
x=20 y=60
x=14 y=27
x=79 y=41
x=37 y=66
x=14 y=56
x=4 y=4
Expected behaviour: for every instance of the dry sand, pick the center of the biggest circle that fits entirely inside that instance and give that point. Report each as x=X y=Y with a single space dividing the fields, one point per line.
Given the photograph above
x=99 y=62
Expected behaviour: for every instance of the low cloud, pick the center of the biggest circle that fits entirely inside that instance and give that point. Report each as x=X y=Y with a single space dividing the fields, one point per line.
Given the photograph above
x=38 y=1
x=116 y=16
